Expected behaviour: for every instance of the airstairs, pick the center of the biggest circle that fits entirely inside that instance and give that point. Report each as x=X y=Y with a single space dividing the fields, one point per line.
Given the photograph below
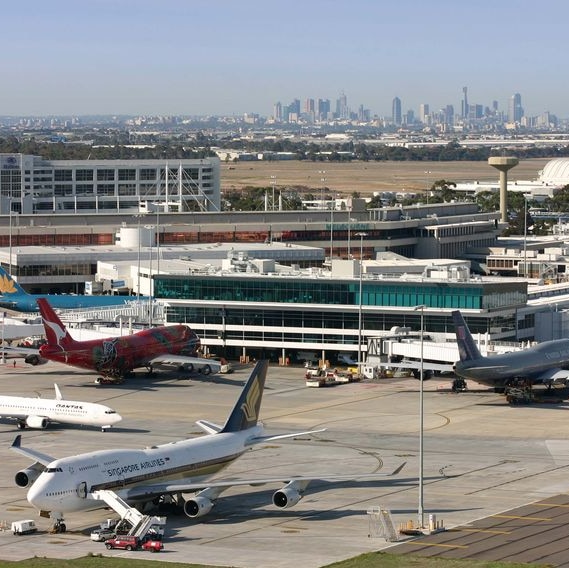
x=381 y=524
x=141 y=524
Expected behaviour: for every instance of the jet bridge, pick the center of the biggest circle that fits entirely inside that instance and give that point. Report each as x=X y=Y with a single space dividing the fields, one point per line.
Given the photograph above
x=438 y=354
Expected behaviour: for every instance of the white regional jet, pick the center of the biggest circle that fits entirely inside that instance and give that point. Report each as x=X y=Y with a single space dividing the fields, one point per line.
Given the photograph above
x=39 y=412
x=120 y=477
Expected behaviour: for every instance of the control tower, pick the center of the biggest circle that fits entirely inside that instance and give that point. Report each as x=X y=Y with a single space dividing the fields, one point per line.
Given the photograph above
x=503 y=164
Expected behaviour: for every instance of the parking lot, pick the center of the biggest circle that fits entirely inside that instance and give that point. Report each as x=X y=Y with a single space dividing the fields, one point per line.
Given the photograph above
x=481 y=457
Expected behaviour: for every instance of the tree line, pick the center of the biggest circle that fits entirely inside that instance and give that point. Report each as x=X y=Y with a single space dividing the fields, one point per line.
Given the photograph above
x=116 y=145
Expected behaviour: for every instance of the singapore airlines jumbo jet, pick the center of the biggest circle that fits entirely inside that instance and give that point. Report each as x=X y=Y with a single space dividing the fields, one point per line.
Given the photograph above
x=125 y=476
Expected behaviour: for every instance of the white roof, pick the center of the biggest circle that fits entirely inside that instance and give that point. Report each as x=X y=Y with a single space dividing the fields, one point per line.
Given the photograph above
x=556 y=172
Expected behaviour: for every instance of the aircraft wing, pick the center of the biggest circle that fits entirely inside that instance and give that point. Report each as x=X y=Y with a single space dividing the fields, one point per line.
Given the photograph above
x=29 y=354
x=150 y=491
x=552 y=375
x=21 y=351
x=44 y=459
x=183 y=360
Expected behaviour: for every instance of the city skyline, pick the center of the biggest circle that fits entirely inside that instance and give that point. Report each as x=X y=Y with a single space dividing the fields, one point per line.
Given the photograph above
x=208 y=57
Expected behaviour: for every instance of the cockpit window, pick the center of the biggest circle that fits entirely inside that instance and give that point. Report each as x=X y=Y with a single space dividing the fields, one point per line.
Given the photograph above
x=54 y=470
x=110 y=411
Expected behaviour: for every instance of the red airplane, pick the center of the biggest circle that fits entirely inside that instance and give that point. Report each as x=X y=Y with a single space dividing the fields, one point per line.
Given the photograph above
x=116 y=357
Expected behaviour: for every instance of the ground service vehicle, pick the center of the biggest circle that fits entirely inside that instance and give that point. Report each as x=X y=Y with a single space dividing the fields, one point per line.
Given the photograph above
x=134 y=543
x=24 y=527
x=102 y=535
x=152 y=545
x=125 y=542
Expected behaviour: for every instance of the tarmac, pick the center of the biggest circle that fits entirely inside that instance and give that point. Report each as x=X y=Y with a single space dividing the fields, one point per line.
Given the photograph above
x=495 y=476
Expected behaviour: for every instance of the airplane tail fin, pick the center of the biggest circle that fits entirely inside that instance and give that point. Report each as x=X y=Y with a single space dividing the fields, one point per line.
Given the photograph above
x=58 y=395
x=246 y=411
x=467 y=348
x=8 y=286
x=56 y=333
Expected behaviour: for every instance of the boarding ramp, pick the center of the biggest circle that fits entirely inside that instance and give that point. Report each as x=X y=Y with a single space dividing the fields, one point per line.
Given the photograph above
x=141 y=524
x=384 y=351
x=132 y=312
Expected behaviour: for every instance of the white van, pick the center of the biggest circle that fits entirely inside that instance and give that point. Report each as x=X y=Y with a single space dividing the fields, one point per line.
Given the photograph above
x=24 y=527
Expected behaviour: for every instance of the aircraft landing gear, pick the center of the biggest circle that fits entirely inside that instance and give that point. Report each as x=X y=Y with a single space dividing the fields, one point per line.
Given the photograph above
x=459 y=385
x=59 y=526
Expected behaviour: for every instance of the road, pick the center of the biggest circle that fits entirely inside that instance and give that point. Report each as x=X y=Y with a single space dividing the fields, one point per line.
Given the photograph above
x=481 y=457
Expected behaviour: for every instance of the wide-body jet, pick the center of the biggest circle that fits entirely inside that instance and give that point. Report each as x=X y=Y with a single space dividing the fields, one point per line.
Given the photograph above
x=116 y=477
x=544 y=363
x=117 y=357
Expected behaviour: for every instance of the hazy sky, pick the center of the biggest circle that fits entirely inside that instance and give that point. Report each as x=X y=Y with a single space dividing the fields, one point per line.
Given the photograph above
x=234 y=56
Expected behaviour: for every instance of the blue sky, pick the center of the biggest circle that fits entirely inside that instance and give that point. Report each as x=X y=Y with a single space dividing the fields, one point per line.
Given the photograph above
x=235 y=56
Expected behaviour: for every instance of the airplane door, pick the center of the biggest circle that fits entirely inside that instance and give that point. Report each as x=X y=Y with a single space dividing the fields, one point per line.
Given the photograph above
x=82 y=490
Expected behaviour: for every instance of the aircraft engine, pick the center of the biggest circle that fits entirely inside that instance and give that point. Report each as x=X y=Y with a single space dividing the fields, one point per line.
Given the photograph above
x=26 y=477
x=198 y=506
x=37 y=422
x=34 y=360
x=286 y=497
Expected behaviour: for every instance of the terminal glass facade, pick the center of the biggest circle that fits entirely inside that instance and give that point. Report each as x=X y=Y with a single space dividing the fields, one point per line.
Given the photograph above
x=272 y=315
x=267 y=289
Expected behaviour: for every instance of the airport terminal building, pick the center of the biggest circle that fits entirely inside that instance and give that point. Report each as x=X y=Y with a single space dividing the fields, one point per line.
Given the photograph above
x=315 y=314
x=32 y=185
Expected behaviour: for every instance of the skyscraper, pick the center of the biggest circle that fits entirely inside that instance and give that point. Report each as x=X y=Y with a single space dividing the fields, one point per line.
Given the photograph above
x=342 y=110
x=309 y=106
x=424 y=113
x=449 y=115
x=396 y=111
x=515 y=110
x=323 y=109
x=464 y=102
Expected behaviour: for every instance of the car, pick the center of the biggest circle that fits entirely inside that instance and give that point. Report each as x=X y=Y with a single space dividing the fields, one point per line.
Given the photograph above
x=102 y=535
x=125 y=542
x=224 y=365
x=152 y=545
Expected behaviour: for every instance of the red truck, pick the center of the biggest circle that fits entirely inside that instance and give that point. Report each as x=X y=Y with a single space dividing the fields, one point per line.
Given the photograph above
x=134 y=543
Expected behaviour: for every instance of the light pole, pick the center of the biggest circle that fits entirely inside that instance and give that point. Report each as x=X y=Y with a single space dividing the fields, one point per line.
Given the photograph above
x=10 y=235
x=420 y=511
x=361 y=236
x=273 y=183
x=138 y=307
x=150 y=281
x=427 y=190
x=323 y=180
x=525 y=235
x=157 y=239
x=332 y=231
x=349 y=235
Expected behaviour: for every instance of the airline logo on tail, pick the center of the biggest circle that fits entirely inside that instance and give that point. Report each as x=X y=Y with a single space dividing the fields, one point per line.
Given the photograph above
x=56 y=334
x=250 y=407
x=7 y=285
x=467 y=348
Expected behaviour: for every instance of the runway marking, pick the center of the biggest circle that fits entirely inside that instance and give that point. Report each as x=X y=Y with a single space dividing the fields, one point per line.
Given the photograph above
x=420 y=543
x=521 y=517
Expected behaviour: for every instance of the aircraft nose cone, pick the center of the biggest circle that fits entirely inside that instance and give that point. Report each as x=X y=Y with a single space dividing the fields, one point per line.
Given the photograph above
x=110 y=420
x=36 y=496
